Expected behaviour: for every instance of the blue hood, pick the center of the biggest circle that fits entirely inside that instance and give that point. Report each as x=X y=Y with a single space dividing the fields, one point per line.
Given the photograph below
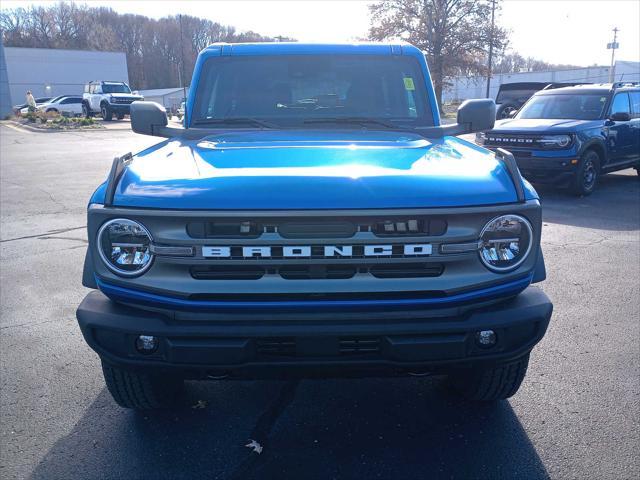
x=543 y=125
x=275 y=170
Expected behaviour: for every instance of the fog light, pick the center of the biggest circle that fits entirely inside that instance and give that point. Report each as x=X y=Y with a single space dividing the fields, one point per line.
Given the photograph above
x=146 y=344
x=486 y=338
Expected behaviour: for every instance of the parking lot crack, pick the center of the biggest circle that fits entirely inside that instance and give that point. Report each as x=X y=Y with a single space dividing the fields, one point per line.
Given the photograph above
x=263 y=428
x=48 y=235
x=46 y=192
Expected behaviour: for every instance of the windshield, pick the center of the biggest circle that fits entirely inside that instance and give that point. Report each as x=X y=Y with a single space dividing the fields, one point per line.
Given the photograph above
x=290 y=90
x=108 y=87
x=564 y=106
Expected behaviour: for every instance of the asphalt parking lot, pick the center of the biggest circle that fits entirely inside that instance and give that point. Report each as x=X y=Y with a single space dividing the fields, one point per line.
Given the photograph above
x=577 y=414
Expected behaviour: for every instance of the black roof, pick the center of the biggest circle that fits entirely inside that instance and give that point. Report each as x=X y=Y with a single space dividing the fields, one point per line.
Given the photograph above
x=592 y=88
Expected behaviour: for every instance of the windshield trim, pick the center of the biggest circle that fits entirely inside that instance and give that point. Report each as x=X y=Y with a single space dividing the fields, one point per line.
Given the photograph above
x=427 y=119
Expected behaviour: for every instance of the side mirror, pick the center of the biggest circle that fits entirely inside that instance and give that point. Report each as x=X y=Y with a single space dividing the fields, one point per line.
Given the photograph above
x=476 y=115
x=620 y=117
x=148 y=118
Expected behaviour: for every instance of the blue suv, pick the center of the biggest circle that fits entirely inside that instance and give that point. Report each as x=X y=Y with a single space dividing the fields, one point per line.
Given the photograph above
x=570 y=136
x=312 y=217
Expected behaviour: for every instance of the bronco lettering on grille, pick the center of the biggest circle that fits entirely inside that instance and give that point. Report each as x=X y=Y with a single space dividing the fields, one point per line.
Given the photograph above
x=326 y=251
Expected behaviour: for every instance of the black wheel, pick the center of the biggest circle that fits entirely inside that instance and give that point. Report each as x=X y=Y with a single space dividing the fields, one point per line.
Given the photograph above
x=120 y=116
x=505 y=110
x=587 y=174
x=490 y=384
x=105 y=111
x=86 y=113
x=141 y=390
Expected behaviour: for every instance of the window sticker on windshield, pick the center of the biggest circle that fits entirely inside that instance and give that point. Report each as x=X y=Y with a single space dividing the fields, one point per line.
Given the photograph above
x=408 y=83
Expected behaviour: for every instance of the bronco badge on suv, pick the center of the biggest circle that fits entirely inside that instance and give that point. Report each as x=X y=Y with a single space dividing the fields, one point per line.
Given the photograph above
x=108 y=99
x=313 y=218
x=570 y=136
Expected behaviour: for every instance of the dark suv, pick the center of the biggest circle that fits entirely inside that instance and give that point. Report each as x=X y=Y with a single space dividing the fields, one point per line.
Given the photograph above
x=569 y=136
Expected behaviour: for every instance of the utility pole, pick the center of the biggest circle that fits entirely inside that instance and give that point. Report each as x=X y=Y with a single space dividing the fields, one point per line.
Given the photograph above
x=181 y=72
x=493 y=14
x=613 y=46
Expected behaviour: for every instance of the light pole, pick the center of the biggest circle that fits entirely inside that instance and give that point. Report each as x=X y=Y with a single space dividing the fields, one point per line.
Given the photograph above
x=613 y=46
x=493 y=13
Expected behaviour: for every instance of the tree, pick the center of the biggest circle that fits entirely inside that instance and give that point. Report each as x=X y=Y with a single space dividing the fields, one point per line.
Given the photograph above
x=454 y=34
x=153 y=47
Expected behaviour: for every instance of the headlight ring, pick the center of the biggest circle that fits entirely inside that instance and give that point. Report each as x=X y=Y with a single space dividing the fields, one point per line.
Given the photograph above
x=505 y=243
x=124 y=246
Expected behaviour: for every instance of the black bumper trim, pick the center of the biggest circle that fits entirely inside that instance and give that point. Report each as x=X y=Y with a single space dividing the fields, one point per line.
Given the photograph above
x=225 y=348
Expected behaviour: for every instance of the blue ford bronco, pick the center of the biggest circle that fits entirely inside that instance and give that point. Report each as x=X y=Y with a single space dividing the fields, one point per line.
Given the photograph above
x=312 y=217
x=570 y=136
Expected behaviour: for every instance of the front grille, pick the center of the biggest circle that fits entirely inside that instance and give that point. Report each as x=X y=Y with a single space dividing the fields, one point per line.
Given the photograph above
x=325 y=228
x=511 y=140
x=316 y=271
x=122 y=100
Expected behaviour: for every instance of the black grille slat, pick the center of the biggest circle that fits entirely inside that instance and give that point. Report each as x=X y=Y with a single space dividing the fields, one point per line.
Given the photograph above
x=317 y=272
x=409 y=270
x=227 y=272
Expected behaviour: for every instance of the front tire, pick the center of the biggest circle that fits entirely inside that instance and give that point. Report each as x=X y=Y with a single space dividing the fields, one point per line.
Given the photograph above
x=141 y=390
x=105 y=111
x=490 y=384
x=587 y=174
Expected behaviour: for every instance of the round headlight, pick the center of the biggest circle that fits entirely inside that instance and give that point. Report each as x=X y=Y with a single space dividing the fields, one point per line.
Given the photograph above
x=125 y=246
x=505 y=242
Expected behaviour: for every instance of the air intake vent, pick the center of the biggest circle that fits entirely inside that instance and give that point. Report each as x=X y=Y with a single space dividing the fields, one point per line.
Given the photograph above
x=359 y=346
x=407 y=270
x=227 y=272
x=284 y=346
x=222 y=229
x=317 y=272
x=410 y=227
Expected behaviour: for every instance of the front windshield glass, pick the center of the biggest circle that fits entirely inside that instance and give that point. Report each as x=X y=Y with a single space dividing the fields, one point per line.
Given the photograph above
x=564 y=106
x=293 y=90
x=108 y=87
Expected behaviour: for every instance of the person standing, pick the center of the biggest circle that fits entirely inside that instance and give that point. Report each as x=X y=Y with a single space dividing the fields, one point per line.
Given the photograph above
x=31 y=102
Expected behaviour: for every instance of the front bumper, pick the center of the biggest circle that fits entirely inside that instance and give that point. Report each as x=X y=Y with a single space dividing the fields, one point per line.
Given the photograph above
x=556 y=171
x=364 y=343
x=120 y=108
x=552 y=170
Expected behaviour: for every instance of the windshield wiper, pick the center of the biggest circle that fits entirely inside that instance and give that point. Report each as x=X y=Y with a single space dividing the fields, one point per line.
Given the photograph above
x=353 y=120
x=236 y=121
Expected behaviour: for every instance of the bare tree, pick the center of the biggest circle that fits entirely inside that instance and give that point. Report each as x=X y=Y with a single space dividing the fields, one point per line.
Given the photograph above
x=152 y=47
x=454 y=34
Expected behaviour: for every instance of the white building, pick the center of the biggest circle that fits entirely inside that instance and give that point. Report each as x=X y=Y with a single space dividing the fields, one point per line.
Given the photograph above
x=463 y=87
x=49 y=72
x=170 y=98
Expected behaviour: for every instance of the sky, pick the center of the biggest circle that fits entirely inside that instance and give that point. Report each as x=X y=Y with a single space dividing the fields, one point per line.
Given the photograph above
x=557 y=31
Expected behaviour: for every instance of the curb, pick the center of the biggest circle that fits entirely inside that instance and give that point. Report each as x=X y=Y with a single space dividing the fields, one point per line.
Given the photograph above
x=52 y=130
